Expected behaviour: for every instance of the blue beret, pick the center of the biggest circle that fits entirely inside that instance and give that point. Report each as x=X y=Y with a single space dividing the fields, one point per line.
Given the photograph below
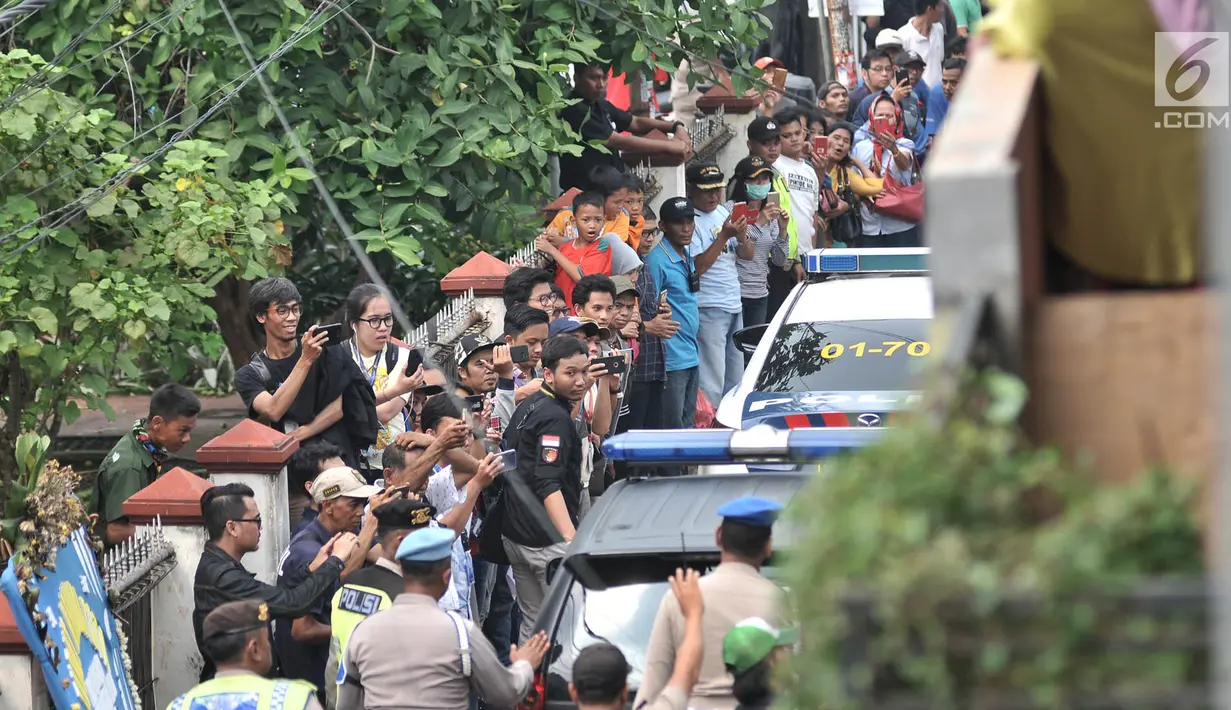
x=427 y=545
x=751 y=510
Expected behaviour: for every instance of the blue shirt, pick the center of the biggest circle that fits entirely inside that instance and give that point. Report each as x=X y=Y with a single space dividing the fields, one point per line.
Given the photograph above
x=938 y=108
x=670 y=272
x=302 y=661
x=720 y=284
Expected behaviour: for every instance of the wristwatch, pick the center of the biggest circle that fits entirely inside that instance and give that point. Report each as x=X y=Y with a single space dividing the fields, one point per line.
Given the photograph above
x=679 y=124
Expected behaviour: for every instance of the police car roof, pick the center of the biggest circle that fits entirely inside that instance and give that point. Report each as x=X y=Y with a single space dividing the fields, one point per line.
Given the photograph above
x=640 y=525
x=864 y=298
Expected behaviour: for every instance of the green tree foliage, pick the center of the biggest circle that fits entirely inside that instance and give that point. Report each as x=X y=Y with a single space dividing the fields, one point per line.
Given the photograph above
x=128 y=279
x=940 y=527
x=431 y=121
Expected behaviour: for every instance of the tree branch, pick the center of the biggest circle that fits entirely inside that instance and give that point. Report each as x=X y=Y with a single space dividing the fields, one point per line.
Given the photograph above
x=371 y=41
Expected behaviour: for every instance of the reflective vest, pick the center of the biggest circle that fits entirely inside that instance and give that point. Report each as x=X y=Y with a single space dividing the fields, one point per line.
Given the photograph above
x=246 y=692
x=784 y=201
x=351 y=604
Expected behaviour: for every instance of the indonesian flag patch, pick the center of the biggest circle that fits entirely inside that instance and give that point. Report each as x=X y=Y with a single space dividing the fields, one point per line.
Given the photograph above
x=550 y=446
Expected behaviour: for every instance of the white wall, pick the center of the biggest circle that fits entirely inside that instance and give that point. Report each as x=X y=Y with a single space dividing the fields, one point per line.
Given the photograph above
x=176 y=663
x=270 y=494
x=21 y=684
x=737 y=148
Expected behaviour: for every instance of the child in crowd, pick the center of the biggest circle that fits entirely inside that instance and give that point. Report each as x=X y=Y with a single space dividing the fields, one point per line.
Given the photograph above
x=588 y=253
x=634 y=204
x=613 y=186
x=649 y=231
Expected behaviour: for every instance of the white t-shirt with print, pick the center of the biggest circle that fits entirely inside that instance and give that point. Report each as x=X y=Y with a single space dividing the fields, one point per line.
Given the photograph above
x=377 y=374
x=805 y=190
x=443 y=495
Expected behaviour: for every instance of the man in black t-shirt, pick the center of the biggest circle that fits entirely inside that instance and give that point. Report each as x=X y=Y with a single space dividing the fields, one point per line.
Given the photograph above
x=597 y=119
x=279 y=386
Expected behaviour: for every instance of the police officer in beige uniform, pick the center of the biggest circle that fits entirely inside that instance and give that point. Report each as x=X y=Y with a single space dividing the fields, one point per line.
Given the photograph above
x=414 y=655
x=732 y=592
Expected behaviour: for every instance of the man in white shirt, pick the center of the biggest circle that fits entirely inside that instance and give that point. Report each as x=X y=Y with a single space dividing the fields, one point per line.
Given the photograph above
x=925 y=35
x=801 y=180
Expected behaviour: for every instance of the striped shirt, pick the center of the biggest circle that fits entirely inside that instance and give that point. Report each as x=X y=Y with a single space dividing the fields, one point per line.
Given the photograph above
x=754 y=272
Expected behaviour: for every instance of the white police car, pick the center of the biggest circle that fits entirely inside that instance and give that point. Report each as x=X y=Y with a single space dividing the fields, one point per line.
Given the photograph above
x=845 y=350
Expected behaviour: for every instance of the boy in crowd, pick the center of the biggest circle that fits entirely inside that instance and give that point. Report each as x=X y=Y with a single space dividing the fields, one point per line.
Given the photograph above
x=523 y=326
x=649 y=231
x=589 y=253
x=529 y=286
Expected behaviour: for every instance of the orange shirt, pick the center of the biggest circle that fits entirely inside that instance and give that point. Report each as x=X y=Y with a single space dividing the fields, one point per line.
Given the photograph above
x=566 y=225
x=593 y=258
x=634 y=232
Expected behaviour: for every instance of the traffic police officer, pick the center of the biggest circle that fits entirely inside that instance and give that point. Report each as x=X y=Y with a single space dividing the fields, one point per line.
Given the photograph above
x=236 y=638
x=372 y=588
x=732 y=592
x=449 y=659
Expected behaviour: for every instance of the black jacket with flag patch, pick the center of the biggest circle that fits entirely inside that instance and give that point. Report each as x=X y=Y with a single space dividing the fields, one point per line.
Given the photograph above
x=548 y=461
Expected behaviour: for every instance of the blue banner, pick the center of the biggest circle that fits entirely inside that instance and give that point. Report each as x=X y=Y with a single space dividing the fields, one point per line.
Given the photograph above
x=82 y=658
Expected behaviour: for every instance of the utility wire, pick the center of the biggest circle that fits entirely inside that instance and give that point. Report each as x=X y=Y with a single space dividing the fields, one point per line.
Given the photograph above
x=85 y=106
x=519 y=487
x=27 y=7
x=74 y=209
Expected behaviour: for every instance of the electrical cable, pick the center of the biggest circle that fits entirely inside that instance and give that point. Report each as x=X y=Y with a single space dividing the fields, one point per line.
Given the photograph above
x=84 y=107
x=26 y=7
x=522 y=489
x=80 y=205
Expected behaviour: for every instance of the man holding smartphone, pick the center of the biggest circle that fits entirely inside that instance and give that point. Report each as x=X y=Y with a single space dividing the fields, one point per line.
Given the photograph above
x=296 y=386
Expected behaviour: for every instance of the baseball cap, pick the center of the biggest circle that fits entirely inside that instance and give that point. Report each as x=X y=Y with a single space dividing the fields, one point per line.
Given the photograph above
x=572 y=324
x=888 y=38
x=907 y=58
x=341 y=481
x=677 y=209
x=763 y=128
x=623 y=284
x=767 y=62
x=751 y=641
x=600 y=672
x=468 y=345
x=705 y=176
x=751 y=167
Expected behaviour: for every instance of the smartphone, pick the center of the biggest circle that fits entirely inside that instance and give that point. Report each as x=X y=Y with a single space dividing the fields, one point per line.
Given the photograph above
x=881 y=125
x=662 y=297
x=902 y=76
x=772 y=200
x=820 y=145
x=494 y=423
x=508 y=460
x=616 y=364
x=414 y=360
x=743 y=210
x=780 y=78
x=519 y=353
x=476 y=402
x=334 y=330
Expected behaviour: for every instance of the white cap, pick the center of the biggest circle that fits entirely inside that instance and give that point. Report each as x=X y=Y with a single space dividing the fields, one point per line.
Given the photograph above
x=888 y=38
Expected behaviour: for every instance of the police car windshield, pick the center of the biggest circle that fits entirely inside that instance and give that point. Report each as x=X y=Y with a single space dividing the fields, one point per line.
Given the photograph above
x=873 y=355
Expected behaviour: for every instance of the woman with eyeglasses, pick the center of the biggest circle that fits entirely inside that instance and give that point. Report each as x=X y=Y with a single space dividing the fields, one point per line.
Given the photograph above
x=370 y=317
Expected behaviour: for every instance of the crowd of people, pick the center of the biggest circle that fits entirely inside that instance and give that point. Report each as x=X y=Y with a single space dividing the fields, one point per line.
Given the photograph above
x=437 y=498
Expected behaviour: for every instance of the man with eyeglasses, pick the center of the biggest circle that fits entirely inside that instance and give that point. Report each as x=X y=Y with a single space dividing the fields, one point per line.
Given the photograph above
x=297 y=387
x=233 y=524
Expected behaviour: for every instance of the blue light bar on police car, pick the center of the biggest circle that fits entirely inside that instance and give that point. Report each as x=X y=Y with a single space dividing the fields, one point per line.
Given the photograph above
x=866 y=261
x=721 y=446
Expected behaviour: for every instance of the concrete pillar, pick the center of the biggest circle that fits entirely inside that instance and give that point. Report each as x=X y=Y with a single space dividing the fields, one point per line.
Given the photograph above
x=483 y=278
x=737 y=113
x=255 y=455
x=174 y=499
x=21 y=681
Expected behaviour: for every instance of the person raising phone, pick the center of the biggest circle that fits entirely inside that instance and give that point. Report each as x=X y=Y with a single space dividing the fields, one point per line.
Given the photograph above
x=298 y=386
x=766 y=229
x=881 y=146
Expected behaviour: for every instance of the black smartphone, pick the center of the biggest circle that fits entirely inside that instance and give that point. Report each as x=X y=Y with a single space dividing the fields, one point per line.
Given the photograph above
x=519 y=353
x=902 y=75
x=334 y=330
x=476 y=402
x=414 y=359
x=616 y=364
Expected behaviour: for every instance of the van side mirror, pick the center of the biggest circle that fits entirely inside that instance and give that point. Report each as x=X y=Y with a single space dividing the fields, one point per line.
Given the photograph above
x=747 y=339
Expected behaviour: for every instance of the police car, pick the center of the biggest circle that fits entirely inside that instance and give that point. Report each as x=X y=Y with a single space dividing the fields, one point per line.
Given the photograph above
x=845 y=350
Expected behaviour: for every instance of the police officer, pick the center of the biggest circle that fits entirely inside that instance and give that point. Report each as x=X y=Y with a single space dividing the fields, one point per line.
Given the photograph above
x=372 y=588
x=548 y=476
x=415 y=654
x=236 y=639
x=732 y=592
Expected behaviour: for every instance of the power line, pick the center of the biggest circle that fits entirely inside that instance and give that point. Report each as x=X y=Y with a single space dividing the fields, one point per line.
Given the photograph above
x=74 y=209
x=26 y=7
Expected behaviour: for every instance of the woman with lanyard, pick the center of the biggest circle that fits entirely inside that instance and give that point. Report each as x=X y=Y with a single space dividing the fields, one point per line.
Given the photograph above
x=371 y=321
